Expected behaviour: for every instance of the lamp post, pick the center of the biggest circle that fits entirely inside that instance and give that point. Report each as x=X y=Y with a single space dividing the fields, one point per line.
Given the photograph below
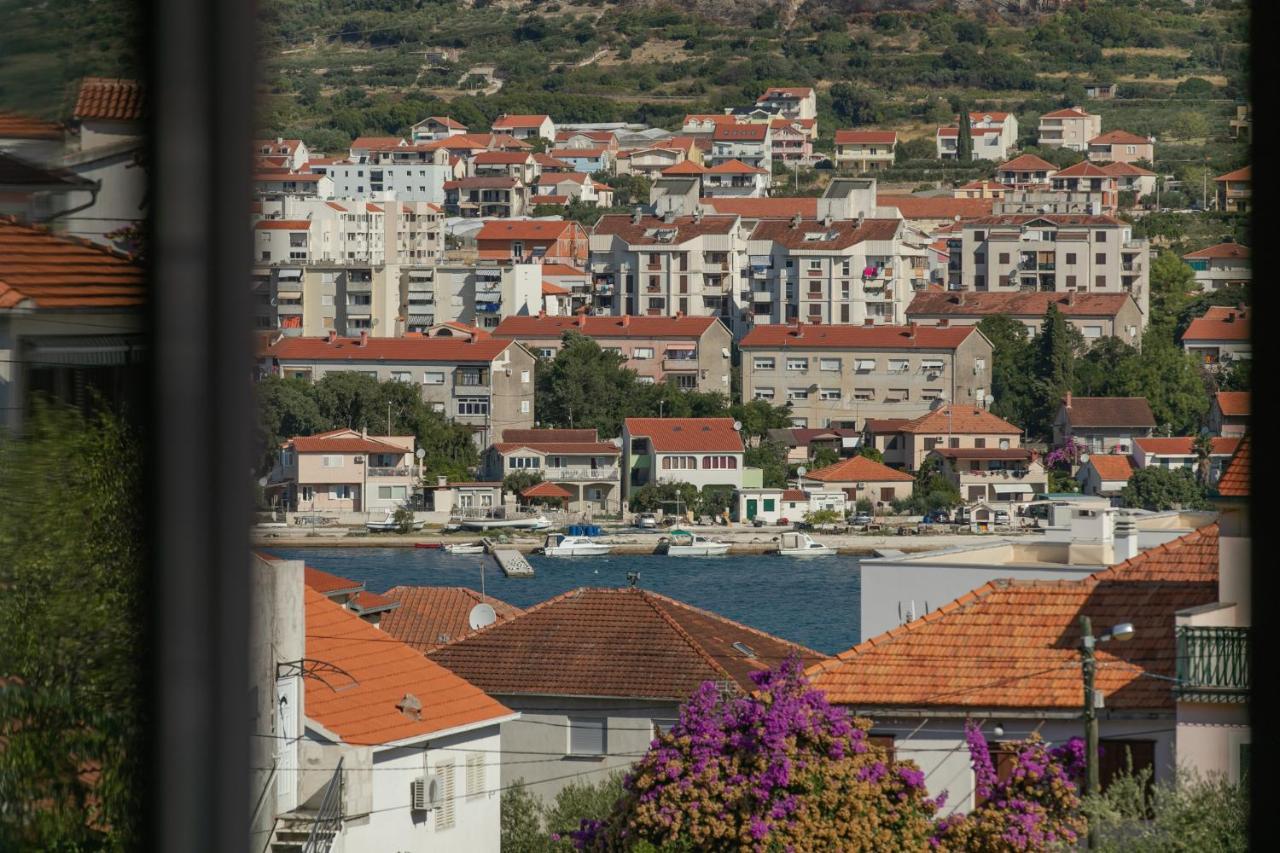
x=1092 y=699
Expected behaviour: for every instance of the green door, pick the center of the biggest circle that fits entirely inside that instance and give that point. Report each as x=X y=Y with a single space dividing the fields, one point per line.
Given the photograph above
x=751 y=508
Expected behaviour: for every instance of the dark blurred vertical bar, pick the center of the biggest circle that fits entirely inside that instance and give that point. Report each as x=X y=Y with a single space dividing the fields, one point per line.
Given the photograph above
x=202 y=101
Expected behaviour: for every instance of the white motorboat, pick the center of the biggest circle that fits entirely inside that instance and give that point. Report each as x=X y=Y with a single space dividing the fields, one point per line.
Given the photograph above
x=682 y=543
x=560 y=545
x=388 y=524
x=464 y=548
x=795 y=544
x=525 y=523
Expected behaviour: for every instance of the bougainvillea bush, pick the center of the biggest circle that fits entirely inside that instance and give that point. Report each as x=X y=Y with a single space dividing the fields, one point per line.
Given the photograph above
x=780 y=770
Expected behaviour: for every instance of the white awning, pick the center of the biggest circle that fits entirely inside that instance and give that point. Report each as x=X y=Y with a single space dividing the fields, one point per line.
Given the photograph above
x=84 y=350
x=289 y=273
x=864 y=364
x=1012 y=488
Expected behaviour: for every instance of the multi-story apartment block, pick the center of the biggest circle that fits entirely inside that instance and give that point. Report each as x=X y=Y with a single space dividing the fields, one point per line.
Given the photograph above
x=477 y=294
x=577 y=460
x=1121 y=146
x=297 y=230
x=1026 y=169
x=1220 y=337
x=391 y=168
x=497 y=164
x=1070 y=128
x=533 y=240
x=299 y=184
x=1223 y=265
x=526 y=126
x=1052 y=252
x=706 y=452
x=344 y=470
x=651 y=266
x=691 y=352
x=827 y=271
x=795 y=102
x=840 y=376
x=1095 y=315
x=484 y=383
x=748 y=143
x=865 y=150
x=1082 y=188
x=1235 y=190
x=484 y=197
x=317 y=298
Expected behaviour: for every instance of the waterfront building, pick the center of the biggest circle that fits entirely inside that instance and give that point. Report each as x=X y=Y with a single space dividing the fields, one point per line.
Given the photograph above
x=344 y=471
x=705 y=452
x=576 y=460
x=861 y=478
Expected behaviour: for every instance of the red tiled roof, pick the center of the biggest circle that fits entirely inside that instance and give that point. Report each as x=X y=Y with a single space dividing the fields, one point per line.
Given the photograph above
x=866 y=137
x=549 y=289
x=501 y=158
x=1110 y=412
x=1243 y=174
x=1123 y=169
x=1119 y=137
x=15 y=126
x=975 y=131
x=559 y=448
x=504 y=121
x=1220 y=251
x=365 y=602
x=110 y=99
x=1111 y=466
x=526 y=229
x=494 y=183
x=553 y=435
x=686 y=228
x=939 y=207
x=1233 y=404
x=433 y=616
x=1219 y=323
x=685 y=167
x=296 y=177
x=329 y=584
x=386 y=349
x=814 y=336
x=362 y=142
x=549 y=199
x=282 y=224
x=521 y=327
x=60 y=272
x=1027 y=163
x=363 y=709
x=1234 y=482
x=344 y=444
x=614 y=642
x=840 y=234
x=1014 y=644
x=785 y=92
x=546 y=161
x=735 y=167
x=882 y=426
x=795 y=495
x=546 y=490
x=1083 y=169
x=961 y=419
x=740 y=132
x=1030 y=304
x=692 y=434
x=558 y=270
x=1186 y=445
x=858 y=469
x=980 y=116
x=1067 y=113
x=764 y=208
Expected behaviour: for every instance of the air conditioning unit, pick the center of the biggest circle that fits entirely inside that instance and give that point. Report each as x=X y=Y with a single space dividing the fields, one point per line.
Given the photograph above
x=424 y=793
x=933 y=374
x=359 y=460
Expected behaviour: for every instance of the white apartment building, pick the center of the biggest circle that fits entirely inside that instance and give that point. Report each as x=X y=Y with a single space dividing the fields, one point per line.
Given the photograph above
x=794 y=102
x=392 y=168
x=748 y=143
x=994 y=134
x=293 y=229
x=479 y=294
x=313 y=299
x=1070 y=128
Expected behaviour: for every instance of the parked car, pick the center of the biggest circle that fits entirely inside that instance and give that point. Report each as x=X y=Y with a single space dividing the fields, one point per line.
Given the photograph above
x=1001 y=517
x=862 y=518
x=785 y=522
x=646 y=520
x=938 y=516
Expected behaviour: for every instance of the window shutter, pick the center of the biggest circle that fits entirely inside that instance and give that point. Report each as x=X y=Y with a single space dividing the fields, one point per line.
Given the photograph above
x=586 y=737
x=446 y=816
x=475 y=776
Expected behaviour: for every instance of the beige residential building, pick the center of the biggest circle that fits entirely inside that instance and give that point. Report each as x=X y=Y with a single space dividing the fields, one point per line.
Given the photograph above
x=1070 y=128
x=841 y=376
x=1054 y=252
x=1235 y=190
x=865 y=150
x=295 y=230
x=315 y=299
x=993 y=475
x=952 y=427
x=344 y=470
x=1095 y=315
x=861 y=478
x=479 y=293
x=483 y=383
x=577 y=460
x=1121 y=146
x=692 y=352
x=794 y=102
x=1223 y=265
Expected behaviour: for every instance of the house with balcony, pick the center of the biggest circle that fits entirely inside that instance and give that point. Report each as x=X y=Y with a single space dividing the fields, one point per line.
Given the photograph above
x=1090 y=188
x=1121 y=146
x=577 y=186
x=690 y=352
x=751 y=144
x=533 y=240
x=865 y=150
x=1130 y=178
x=1103 y=424
x=792 y=140
x=795 y=102
x=860 y=478
x=1095 y=315
x=486 y=197
x=650 y=159
x=526 y=126
x=344 y=471
x=432 y=128
x=1025 y=169
x=483 y=383
x=1220 y=337
x=1180 y=452
x=989 y=143
x=1234 y=190
x=288 y=155
x=576 y=460
x=1229 y=413
x=802 y=444
x=514 y=164
x=954 y=427
x=1069 y=128
x=992 y=475
x=1223 y=265
x=843 y=375
x=705 y=452
x=734 y=178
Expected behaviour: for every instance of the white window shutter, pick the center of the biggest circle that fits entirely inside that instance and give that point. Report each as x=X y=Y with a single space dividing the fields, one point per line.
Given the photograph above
x=475 y=776
x=446 y=815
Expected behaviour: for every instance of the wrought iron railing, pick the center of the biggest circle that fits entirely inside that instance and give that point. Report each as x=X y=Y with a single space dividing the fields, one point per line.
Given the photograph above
x=1214 y=664
x=328 y=822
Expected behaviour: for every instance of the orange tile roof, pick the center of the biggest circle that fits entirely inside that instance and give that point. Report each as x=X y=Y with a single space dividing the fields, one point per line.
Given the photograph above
x=858 y=469
x=344 y=444
x=840 y=234
x=866 y=137
x=1220 y=251
x=382 y=671
x=740 y=132
x=519 y=121
x=1027 y=163
x=330 y=584
x=1067 y=113
x=527 y=229
x=1234 y=481
x=1219 y=323
x=546 y=161
x=549 y=199
x=735 y=167
x=433 y=616
x=1122 y=169
x=939 y=207
x=546 y=490
x=1018 y=304
x=386 y=349
x=961 y=419
x=764 y=208
x=110 y=99
x=626 y=326
x=795 y=495
x=501 y=158
x=1110 y=412
x=1119 y=137
x=685 y=167
x=1111 y=466
x=15 y=126
x=1186 y=445
x=1233 y=404
x=549 y=289
x=1014 y=644
x=378 y=142
x=669 y=435
x=1083 y=169
x=614 y=642
x=282 y=224
x=51 y=272
x=1242 y=174
x=821 y=336
x=557 y=270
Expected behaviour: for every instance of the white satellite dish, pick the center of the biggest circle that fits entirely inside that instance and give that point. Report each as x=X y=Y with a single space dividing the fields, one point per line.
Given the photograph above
x=481 y=616
x=737 y=426
x=801 y=471
x=1084 y=457
x=420 y=452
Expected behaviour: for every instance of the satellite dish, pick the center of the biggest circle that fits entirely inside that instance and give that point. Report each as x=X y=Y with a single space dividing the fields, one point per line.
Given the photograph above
x=801 y=471
x=420 y=452
x=481 y=616
x=1084 y=457
x=737 y=426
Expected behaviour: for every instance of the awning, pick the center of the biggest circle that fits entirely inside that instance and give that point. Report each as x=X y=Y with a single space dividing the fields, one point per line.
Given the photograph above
x=864 y=364
x=84 y=350
x=289 y=292
x=288 y=273
x=1012 y=488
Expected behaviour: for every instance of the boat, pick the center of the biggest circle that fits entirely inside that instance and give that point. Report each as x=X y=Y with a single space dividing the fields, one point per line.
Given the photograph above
x=464 y=548
x=526 y=523
x=682 y=543
x=560 y=545
x=433 y=545
x=795 y=544
x=389 y=524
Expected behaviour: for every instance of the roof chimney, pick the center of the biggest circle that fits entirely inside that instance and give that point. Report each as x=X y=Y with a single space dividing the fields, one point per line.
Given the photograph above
x=697 y=215
x=826 y=221
x=580 y=320
x=625 y=321
x=364 y=337
x=1071 y=297
x=542 y=313
x=441 y=481
x=333 y=336
x=635 y=215
x=795 y=221
x=911 y=329
x=679 y=314
x=669 y=217
x=1066 y=401
x=943 y=323
x=868 y=322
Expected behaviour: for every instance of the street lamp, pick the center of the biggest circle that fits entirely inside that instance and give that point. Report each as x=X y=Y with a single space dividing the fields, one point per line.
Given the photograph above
x=1092 y=698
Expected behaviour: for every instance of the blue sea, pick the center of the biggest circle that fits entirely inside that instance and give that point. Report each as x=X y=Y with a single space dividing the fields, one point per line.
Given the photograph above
x=812 y=601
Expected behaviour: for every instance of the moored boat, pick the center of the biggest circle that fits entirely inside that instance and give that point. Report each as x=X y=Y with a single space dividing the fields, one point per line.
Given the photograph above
x=682 y=543
x=464 y=548
x=796 y=544
x=560 y=545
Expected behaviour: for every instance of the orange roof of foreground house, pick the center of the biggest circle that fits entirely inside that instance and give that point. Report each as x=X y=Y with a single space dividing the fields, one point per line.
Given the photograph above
x=937 y=207
x=433 y=616
x=858 y=469
x=526 y=229
x=821 y=336
x=1242 y=174
x=1014 y=644
x=764 y=208
x=1027 y=163
x=385 y=349
x=626 y=326
x=1119 y=137
x=615 y=642
x=501 y=158
x=109 y=99
x=866 y=137
x=282 y=224
x=961 y=419
x=740 y=132
x=15 y=126
x=377 y=675
x=1186 y=445
x=1219 y=323
x=546 y=490
x=1234 y=482
x=735 y=167
x=42 y=270
x=1111 y=466
x=1219 y=252
x=1233 y=404
x=669 y=435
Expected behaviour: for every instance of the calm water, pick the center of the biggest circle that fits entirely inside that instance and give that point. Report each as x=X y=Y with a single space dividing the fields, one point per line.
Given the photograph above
x=812 y=601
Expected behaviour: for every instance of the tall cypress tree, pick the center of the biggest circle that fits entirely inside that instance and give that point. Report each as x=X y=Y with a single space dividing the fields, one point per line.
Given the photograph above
x=964 y=141
x=1054 y=367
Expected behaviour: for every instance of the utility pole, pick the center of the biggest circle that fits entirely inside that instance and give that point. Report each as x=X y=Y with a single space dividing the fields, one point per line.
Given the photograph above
x=1089 y=666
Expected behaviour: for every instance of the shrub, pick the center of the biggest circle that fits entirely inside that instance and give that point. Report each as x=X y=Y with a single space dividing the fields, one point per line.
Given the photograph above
x=1186 y=813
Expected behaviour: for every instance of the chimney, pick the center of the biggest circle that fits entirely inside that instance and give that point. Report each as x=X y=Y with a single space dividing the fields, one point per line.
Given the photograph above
x=1126 y=540
x=441 y=481
x=333 y=336
x=669 y=217
x=697 y=215
x=542 y=313
x=826 y=221
x=795 y=221
x=679 y=314
x=1067 y=400
x=364 y=337
x=911 y=330
x=943 y=323
x=1071 y=297
x=364 y=432
x=635 y=215
x=279 y=140
x=868 y=322
x=580 y=320
x=626 y=321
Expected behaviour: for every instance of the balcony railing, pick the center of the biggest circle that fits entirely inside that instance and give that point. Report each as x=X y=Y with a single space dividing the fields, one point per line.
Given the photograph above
x=580 y=473
x=1214 y=664
x=391 y=472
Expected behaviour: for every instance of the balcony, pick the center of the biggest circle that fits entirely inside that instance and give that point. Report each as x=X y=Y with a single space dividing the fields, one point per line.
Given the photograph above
x=1213 y=664
x=669 y=364
x=405 y=471
x=581 y=472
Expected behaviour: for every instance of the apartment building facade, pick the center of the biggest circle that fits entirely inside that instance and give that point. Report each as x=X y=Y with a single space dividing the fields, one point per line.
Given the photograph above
x=482 y=383
x=1025 y=169
x=344 y=470
x=1070 y=128
x=478 y=294
x=391 y=168
x=1121 y=146
x=705 y=452
x=841 y=376
x=534 y=241
x=577 y=460
x=794 y=102
x=1223 y=265
x=314 y=299
x=486 y=197
x=296 y=230
x=748 y=143
x=865 y=150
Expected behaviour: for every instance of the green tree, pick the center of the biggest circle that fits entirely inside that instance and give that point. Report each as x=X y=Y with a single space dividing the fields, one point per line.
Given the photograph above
x=871 y=453
x=671 y=498
x=521 y=822
x=771 y=458
x=964 y=137
x=1173 y=284
x=579 y=801
x=286 y=408
x=822 y=457
x=1012 y=372
x=517 y=481
x=1187 y=812
x=584 y=387
x=1170 y=379
x=759 y=416
x=1054 y=370
x=1108 y=369
x=1164 y=488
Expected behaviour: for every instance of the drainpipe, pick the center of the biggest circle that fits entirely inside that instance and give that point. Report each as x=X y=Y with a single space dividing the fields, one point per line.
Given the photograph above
x=93 y=198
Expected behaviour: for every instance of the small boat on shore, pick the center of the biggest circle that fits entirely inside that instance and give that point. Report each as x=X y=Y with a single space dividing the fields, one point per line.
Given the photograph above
x=682 y=543
x=526 y=523
x=438 y=546
x=796 y=544
x=464 y=548
x=388 y=524
x=560 y=545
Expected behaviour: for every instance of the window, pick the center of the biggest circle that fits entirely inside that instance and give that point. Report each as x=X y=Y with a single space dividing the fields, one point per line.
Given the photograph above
x=760 y=363
x=524 y=377
x=1100 y=281
x=642 y=353
x=524 y=407
x=899 y=365
x=340 y=493
x=586 y=736
x=897 y=395
x=1093 y=331
x=887 y=494
x=1100 y=258
x=516 y=462
x=644 y=380
x=797 y=393
x=1071 y=282
x=799 y=364
x=473 y=405
x=864 y=365
x=979 y=442
x=1071 y=257
x=686 y=381
x=979 y=235
x=401 y=376
x=392 y=493
x=762 y=394
x=1004 y=257
x=865 y=394
x=931 y=394
x=331 y=462
x=979 y=365
x=1099 y=236
x=829 y=364
x=433 y=377
x=815 y=264
x=476 y=772
x=719 y=462
x=829 y=394
x=445 y=814
x=546 y=352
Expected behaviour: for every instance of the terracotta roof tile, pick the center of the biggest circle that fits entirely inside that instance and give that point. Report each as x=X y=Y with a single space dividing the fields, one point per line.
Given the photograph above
x=1083 y=169
x=795 y=495
x=1219 y=323
x=691 y=434
x=110 y=99
x=49 y=271
x=329 y=584
x=364 y=602
x=389 y=349
x=961 y=419
x=549 y=289
x=1186 y=445
x=363 y=710
x=1110 y=412
x=813 y=234
x=282 y=224
x=15 y=126
x=858 y=469
x=1233 y=404
x=685 y=167
x=433 y=616
x=567 y=448
x=740 y=132
x=866 y=137
x=1234 y=481
x=522 y=327
x=343 y=444
x=1119 y=137
x=501 y=158
x=1027 y=163
x=1111 y=466
x=735 y=167
x=522 y=121
x=645 y=232
x=1119 y=169
x=764 y=208
x=941 y=207
x=815 y=336
x=1242 y=174
x=1013 y=644
x=1220 y=251
x=526 y=229
x=1070 y=112
x=546 y=490
x=1031 y=304
x=614 y=642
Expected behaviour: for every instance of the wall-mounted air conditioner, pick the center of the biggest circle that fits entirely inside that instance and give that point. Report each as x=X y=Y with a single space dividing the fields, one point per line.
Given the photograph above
x=424 y=793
